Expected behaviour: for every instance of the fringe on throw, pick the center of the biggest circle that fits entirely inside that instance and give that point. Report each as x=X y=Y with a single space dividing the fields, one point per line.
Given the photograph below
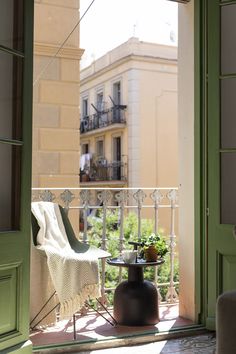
x=70 y=307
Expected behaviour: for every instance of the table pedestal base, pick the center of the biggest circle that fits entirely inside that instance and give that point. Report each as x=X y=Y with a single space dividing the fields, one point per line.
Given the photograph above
x=136 y=303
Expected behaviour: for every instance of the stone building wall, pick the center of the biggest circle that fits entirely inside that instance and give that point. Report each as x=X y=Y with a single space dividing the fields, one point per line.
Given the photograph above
x=56 y=95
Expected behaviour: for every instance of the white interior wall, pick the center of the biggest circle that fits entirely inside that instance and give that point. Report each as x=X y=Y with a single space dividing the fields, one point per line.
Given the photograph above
x=186 y=159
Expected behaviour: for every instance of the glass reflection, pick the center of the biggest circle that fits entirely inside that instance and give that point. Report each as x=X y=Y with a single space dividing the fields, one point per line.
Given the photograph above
x=10 y=96
x=11 y=24
x=228 y=113
x=9 y=187
x=228 y=39
x=228 y=190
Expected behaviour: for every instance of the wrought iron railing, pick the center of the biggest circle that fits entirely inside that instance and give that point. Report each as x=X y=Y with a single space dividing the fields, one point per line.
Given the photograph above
x=108 y=171
x=87 y=201
x=102 y=119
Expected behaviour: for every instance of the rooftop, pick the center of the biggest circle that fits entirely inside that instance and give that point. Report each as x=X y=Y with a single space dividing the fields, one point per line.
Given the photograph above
x=133 y=47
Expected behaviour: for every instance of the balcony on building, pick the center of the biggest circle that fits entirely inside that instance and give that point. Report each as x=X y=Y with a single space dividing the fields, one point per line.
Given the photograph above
x=98 y=170
x=103 y=120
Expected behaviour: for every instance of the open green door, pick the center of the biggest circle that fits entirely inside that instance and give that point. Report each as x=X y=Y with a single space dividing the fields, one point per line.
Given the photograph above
x=16 y=38
x=221 y=154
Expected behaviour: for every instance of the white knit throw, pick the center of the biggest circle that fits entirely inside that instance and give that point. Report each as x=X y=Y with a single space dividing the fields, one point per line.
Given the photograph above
x=74 y=275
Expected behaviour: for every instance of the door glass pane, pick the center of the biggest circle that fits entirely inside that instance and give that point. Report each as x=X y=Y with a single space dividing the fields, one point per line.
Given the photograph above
x=11 y=24
x=228 y=113
x=228 y=190
x=85 y=108
x=100 y=103
x=10 y=96
x=117 y=93
x=228 y=39
x=9 y=187
x=116 y=171
x=100 y=148
x=117 y=149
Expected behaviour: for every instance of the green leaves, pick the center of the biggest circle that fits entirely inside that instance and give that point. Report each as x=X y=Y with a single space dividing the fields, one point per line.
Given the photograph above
x=130 y=234
x=156 y=240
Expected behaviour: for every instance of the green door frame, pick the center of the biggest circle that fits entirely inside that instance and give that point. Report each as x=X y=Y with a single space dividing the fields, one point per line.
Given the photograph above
x=209 y=270
x=15 y=245
x=221 y=251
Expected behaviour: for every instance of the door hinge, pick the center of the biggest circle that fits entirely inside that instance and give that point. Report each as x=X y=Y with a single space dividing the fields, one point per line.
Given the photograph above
x=207 y=211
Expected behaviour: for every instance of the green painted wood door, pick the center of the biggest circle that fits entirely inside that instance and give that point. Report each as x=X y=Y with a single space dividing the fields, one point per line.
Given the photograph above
x=221 y=151
x=16 y=36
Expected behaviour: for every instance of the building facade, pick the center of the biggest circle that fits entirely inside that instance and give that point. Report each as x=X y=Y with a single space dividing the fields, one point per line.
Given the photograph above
x=129 y=125
x=129 y=116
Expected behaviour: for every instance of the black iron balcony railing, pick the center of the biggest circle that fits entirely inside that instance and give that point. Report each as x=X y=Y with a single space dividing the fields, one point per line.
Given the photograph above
x=105 y=118
x=113 y=171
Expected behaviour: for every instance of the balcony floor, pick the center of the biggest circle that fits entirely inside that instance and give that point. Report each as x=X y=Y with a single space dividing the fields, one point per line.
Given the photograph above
x=93 y=328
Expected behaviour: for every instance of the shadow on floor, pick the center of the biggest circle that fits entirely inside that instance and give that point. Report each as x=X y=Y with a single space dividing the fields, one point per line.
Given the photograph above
x=92 y=327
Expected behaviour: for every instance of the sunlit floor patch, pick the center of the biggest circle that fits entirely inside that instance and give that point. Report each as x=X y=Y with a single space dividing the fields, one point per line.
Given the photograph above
x=203 y=344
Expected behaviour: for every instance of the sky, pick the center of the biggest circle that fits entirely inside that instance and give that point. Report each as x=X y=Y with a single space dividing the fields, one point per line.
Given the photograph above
x=108 y=23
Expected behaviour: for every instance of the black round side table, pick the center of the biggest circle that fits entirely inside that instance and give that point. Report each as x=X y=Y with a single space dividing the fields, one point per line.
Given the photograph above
x=135 y=299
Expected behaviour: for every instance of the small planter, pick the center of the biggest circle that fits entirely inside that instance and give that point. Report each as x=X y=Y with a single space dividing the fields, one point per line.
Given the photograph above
x=81 y=226
x=85 y=178
x=151 y=254
x=154 y=246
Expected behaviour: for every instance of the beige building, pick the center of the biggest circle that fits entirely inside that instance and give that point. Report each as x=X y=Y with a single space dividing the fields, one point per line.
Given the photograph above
x=56 y=94
x=129 y=128
x=129 y=116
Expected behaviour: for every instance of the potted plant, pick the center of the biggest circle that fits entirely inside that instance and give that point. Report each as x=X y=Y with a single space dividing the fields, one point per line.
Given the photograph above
x=154 y=246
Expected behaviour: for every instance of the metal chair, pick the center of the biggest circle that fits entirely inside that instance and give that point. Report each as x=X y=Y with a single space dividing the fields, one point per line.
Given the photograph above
x=48 y=305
